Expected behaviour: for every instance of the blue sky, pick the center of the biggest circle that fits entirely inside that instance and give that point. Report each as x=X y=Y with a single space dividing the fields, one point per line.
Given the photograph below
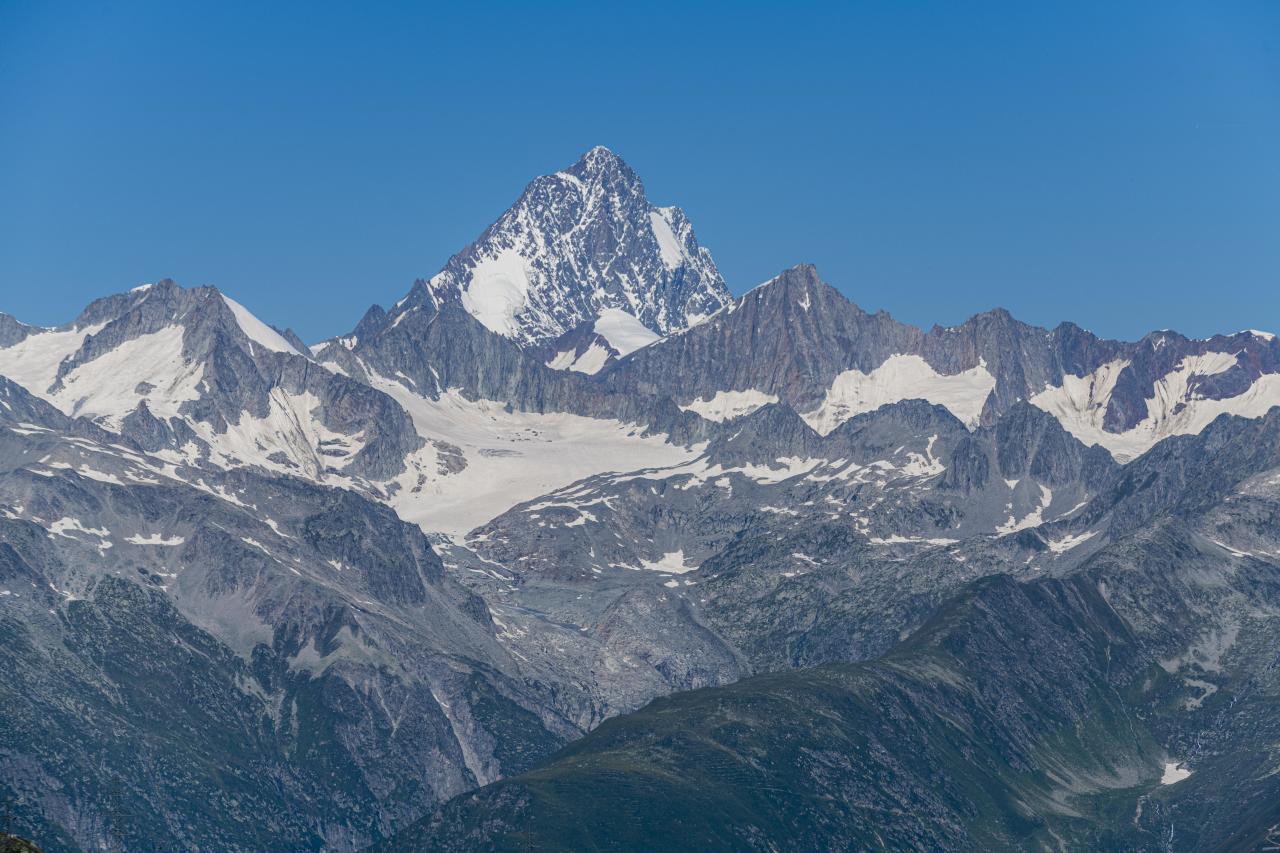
x=1112 y=164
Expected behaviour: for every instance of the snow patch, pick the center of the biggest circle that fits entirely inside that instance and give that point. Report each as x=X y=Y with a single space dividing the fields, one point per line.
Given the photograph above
x=926 y=465
x=590 y=361
x=699 y=471
x=789 y=466
x=155 y=539
x=100 y=476
x=1032 y=519
x=903 y=377
x=1066 y=543
x=896 y=539
x=671 y=563
x=67 y=523
x=1176 y=406
x=727 y=405
x=498 y=291
x=256 y=330
x=668 y=246
x=624 y=332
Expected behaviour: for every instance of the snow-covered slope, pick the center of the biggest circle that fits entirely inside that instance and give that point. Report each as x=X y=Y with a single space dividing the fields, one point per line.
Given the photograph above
x=480 y=459
x=149 y=368
x=593 y=345
x=624 y=332
x=589 y=360
x=33 y=361
x=902 y=377
x=196 y=378
x=258 y=331
x=204 y=384
x=1178 y=404
x=106 y=383
x=796 y=340
x=581 y=244
x=728 y=405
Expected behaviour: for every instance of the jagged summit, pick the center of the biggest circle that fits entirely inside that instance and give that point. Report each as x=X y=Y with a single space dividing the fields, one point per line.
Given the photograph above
x=194 y=374
x=437 y=549
x=579 y=242
x=599 y=160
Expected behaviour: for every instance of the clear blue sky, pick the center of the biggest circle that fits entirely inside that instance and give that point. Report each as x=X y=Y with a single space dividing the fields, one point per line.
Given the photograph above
x=1117 y=164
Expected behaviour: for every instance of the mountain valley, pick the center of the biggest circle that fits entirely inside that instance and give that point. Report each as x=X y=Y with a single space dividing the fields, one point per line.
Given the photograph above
x=572 y=548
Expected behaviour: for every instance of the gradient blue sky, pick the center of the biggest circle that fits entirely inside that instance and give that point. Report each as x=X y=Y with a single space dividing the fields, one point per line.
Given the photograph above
x=1117 y=164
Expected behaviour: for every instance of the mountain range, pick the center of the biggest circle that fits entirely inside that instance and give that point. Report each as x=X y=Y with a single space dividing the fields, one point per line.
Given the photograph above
x=571 y=548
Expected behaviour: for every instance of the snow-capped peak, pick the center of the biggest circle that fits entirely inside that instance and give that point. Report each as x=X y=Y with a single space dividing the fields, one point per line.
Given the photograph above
x=577 y=243
x=258 y=331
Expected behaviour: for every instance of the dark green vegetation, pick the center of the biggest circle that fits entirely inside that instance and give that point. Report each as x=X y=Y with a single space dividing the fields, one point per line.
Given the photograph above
x=219 y=629
x=177 y=717
x=170 y=697
x=936 y=746
x=157 y=731
x=1022 y=715
x=14 y=844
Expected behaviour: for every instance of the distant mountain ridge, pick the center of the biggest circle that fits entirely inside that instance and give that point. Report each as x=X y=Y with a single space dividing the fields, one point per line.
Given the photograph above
x=797 y=339
x=570 y=474
x=1046 y=713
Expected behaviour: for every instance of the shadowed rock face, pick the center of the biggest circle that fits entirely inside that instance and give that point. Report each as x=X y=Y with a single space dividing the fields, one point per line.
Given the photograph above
x=576 y=243
x=989 y=579
x=793 y=336
x=202 y=381
x=1019 y=715
x=250 y=647
x=12 y=331
x=907 y=474
x=929 y=748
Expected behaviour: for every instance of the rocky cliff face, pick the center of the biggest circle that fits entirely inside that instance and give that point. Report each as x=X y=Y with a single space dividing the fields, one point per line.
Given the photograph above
x=189 y=373
x=1116 y=704
x=798 y=340
x=213 y=648
x=576 y=244
x=568 y=475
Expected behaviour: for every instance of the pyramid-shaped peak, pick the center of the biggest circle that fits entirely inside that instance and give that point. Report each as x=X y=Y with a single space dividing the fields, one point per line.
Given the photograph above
x=801 y=275
x=799 y=284
x=601 y=157
x=577 y=244
x=602 y=166
x=798 y=276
